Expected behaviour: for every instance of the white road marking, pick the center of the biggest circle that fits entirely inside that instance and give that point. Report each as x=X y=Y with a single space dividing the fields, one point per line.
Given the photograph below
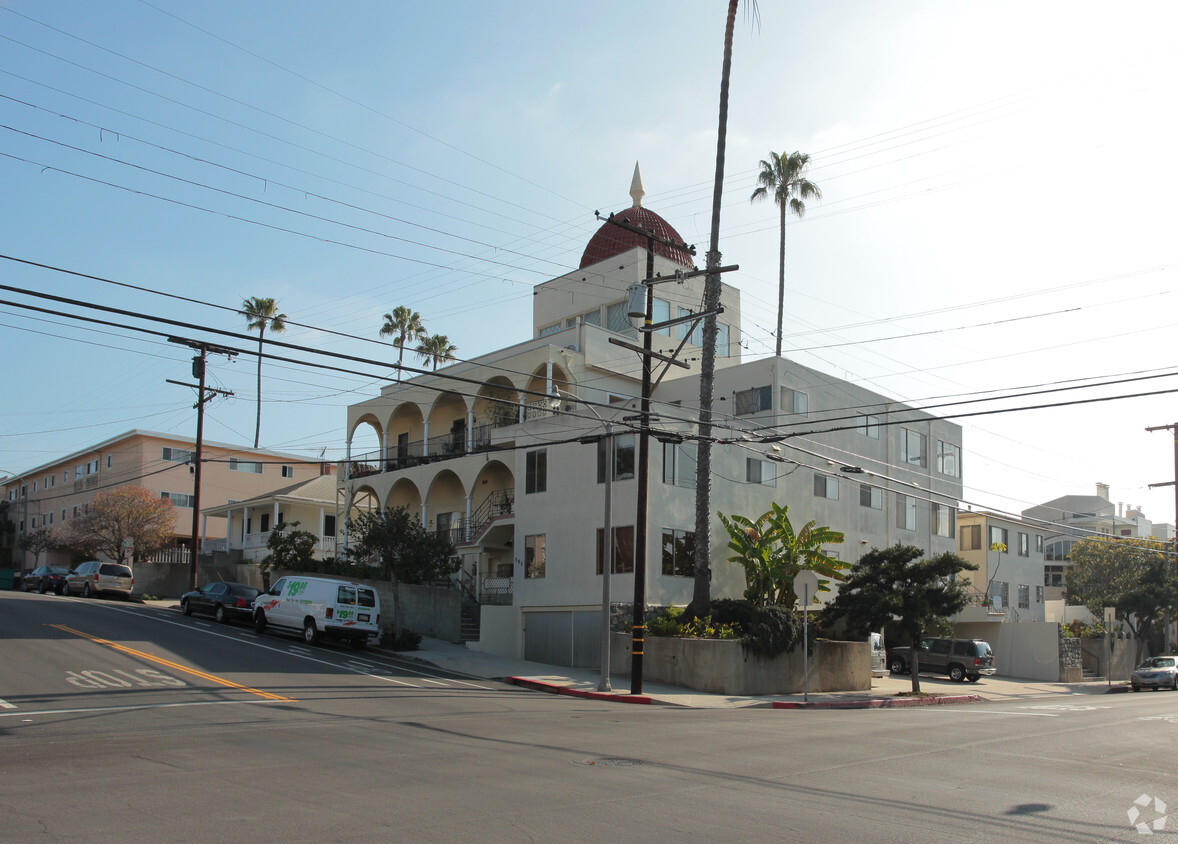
x=6 y=705
x=141 y=706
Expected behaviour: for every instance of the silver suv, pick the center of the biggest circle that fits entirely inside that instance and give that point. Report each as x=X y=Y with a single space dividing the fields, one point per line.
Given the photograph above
x=961 y=659
x=96 y=578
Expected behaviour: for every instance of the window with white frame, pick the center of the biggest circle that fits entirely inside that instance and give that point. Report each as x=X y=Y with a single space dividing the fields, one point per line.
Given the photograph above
x=109 y=460
x=679 y=464
x=253 y=466
x=678 y=552
x=592 y=317
x=624 y=458
x=905 y=512
x=867 y=426
x=536 y=471
x=1038 y=594
x=756 y=400
x=723 y=349
x=177 y=455
x=547 y=330
x=826 y=487
x=623 y=549
x=913 y=448
x=1024 y=597
x=949 y=459
x=759 y=471
x=1000 y=594
x=1024 y=545
x=92 y=467
x=999 y=536
x=794 y=402
x=870 y=496
x=534 y=555
x=1039 y=543
x=288 y=471
x=178 y=499
x=661 y=312
x=944 y=518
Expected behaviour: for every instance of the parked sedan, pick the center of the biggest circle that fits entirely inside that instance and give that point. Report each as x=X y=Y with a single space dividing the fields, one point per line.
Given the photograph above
x=46 y=579
x=1159 y=672
x=223 y=601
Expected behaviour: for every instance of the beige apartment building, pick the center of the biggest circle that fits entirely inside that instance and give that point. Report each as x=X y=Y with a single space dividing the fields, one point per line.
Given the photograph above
x=51 y=494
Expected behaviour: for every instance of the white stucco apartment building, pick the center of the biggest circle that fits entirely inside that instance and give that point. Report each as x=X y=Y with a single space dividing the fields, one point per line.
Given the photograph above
x=490 y=449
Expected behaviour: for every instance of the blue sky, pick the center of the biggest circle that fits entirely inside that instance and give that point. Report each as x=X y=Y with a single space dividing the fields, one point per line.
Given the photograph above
x=998 y=186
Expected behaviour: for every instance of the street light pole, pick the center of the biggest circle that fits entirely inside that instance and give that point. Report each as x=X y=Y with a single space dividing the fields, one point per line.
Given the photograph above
x=607 y=562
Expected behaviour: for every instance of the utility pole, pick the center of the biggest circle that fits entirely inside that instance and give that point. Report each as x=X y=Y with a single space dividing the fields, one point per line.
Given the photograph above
x=642 y=306
x=1174 y=483
x=203 y=394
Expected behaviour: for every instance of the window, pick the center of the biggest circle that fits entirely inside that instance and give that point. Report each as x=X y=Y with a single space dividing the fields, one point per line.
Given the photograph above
x=63 y=514
x=795 y=402
x=912 y=448
x=592 y=317
x=266 y=522
x=236 y=465
x=549 y=329
x=971 y=538
x=1024 y=545
x=1024 y=597
x=1038 y=594
x=177 y=455
x=905 y=512
x=616 y=319
x=623 y=550
x=536 y=471
x=35 y=487
x=679 y=464
x=1053 y=575
x=179 y=499
x=826 y=487
x=753 y=401
x=868 y=426
x=1000 y=594
x=661 y=312
x=678 y=553
x=78 y=472
x=623 y=457
x=534 y=555
x=1038 y=544
x=288 y=471
x=92 y=467
x=1059 y=550
x=722 y=349
x=943 y=520
x=109 y=460
x=328 y=525
x=760 y=472
x=949 y=459
x=51 y=481
x=50 y=519
x=870 y=496
x=697 y=333
x=998 y=536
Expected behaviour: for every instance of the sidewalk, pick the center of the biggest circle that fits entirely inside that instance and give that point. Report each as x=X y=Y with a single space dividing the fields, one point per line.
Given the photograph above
x=883 y=693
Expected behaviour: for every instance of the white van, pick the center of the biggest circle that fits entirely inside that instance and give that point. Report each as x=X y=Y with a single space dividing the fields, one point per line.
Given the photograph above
x=320 y=607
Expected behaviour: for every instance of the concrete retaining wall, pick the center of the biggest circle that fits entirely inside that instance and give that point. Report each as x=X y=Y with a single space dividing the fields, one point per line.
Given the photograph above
x=725 y=667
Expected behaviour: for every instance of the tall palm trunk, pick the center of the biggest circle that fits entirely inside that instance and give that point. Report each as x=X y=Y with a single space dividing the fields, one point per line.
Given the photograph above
x=258 y=425
x=701 y=599
x=781 y=283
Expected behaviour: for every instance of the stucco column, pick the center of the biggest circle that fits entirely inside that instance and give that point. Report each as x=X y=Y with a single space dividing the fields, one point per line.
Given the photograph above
x=425 y=443
x=245 y=518
x=322 y=540
x=522 y=410
x=548 y=378
x=384 y=448
x=424 y=514
x=470 y=430
x=348 y=461
x=274 y=518
x=469 y=512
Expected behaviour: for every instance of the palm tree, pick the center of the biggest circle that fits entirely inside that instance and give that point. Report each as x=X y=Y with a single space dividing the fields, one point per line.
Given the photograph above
x=785 y=177
x=436 y=348
x=261 y=314
x=407 y=327
x=701 y=597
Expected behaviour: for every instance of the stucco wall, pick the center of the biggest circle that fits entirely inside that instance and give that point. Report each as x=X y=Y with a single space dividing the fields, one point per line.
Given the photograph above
x=1028 y=650
x=500 y=633
x=725 y=667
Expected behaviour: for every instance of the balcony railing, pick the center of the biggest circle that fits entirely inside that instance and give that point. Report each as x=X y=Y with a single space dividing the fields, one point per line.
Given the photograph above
x=444 y=447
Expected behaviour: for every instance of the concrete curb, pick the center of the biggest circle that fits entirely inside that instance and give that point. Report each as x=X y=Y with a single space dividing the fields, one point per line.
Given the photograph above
x=555 y=689
x=876 y=703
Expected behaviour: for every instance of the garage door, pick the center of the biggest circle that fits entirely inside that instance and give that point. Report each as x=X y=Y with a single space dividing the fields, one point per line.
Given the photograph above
x=563 y=637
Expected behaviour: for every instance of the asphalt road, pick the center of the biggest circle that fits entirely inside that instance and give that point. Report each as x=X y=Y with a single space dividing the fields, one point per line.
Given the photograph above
x=130 y=723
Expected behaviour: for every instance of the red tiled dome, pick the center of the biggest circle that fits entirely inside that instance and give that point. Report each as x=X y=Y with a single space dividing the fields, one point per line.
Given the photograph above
x=612 y=240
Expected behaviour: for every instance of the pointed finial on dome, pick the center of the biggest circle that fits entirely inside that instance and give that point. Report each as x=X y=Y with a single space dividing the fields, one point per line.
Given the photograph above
x=636 y=189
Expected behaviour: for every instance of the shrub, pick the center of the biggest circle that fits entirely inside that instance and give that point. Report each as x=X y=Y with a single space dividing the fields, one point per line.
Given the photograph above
x=768 y=630
x=404 y=640
x=670 y=623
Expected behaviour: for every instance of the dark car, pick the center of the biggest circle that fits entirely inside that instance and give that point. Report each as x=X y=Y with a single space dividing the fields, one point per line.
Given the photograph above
x=961 y=659
x=1159 y=672
x=223 y=601
x=45 y=579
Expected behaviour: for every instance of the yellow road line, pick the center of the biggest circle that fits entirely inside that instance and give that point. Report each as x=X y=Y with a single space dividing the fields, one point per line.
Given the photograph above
x=174 y=665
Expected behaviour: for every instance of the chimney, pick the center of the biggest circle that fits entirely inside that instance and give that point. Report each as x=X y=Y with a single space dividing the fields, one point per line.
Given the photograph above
x=1102 y=490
